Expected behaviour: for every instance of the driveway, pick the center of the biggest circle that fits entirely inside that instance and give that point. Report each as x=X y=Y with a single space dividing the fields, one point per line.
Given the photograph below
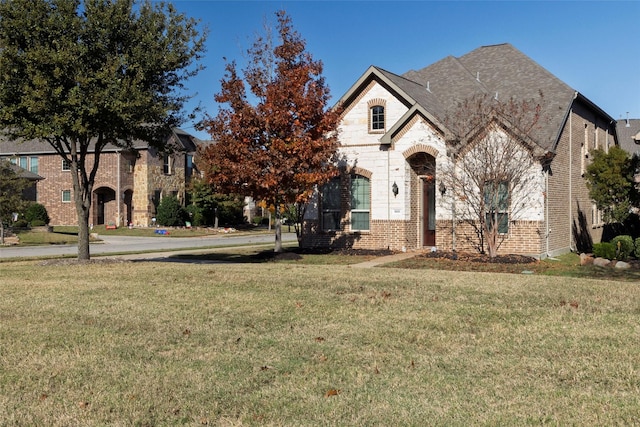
x=120 y=244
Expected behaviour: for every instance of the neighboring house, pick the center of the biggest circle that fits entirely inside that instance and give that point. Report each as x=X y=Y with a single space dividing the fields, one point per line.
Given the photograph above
x=393 y=141
x=629 y=135
x=629 y=139
x=128 y=186
x=31 y=192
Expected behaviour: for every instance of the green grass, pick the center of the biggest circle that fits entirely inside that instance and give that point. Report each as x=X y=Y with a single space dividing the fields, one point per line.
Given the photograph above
x=299 y=344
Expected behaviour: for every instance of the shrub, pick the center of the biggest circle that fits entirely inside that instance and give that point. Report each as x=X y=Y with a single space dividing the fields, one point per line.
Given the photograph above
x=36 y=212
x=636 y=252
x=170 y=213
x=624 y=246
x=257 y=220
x=21 y=223
x=604 y=250
x=38 y=223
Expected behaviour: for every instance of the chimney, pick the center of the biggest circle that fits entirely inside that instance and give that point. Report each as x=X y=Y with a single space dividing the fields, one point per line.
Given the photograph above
x=428 y=86
x=628 y=124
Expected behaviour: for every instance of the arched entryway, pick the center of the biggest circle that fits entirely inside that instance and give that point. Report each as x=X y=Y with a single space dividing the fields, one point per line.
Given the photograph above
x=423 y=196
x=105 y=206
x=128 y=207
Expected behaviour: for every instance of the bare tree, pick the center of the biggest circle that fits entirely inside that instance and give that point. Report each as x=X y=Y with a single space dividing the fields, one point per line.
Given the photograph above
x=494 y=176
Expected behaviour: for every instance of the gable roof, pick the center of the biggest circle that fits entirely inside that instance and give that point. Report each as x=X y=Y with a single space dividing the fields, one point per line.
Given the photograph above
x=10 y=147
x=628 y=131
x=499 y=70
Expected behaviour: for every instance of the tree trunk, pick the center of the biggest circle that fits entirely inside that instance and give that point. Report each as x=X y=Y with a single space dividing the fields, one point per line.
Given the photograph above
x=1 y=232
x=278 y=246
x=83 y=231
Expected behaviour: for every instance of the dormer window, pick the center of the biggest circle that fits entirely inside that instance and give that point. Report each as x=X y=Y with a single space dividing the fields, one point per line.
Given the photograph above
x=377 y=115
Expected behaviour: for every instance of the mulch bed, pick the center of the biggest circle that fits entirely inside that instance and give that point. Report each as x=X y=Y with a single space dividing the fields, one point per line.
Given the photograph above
x=482 y=258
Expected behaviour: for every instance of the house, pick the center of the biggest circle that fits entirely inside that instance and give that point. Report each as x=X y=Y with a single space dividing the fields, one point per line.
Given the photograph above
x=29 y=193
x=629 y=135
x=128 y=186
x=396 y=145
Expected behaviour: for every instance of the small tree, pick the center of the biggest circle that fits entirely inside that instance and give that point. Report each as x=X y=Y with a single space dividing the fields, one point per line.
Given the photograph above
x=79 y=75
x=11 y=187
x=494 y=173
x=36 y=212
x=279 y=149
x=211 y=208
x=610 y=180
x=170 y=212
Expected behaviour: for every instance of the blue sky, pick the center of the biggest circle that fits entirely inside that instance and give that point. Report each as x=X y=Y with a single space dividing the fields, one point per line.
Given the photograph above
x=593 y=46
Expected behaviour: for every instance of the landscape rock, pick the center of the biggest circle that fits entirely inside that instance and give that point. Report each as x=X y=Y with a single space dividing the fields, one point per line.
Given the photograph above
x=586 y=259
x=601 y=262
x=623 y=265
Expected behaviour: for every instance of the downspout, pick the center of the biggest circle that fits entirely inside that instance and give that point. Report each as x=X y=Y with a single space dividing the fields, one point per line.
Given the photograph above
x=388 y=200
x=546 y=211
x=570 y=179
x=118 y=196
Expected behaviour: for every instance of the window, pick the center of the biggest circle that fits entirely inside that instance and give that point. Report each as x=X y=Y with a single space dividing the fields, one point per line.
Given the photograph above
x=377 y=118
x=166 y=164
x=360 y=203
x=66 y=196
x=33 y=165
x=188 y=166
x=66 y=165
x=24 y=163
x=496 y=203
x=330 y=200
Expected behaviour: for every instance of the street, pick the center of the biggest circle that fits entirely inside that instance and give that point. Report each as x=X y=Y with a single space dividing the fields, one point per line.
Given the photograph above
x=120 y=244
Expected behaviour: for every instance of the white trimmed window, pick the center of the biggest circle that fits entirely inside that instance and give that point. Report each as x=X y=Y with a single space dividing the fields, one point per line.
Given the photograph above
x=360 y=203
x=66 y=196
x=66 y=165
x=166 y=164
x=377 y=118
x=496 y=203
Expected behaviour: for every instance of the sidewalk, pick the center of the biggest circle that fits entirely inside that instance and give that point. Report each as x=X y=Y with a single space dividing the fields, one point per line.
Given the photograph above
x=385 y=260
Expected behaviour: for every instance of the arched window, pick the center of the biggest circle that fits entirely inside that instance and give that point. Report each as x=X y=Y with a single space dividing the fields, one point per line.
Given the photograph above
x=377 y=118
x=360 y=203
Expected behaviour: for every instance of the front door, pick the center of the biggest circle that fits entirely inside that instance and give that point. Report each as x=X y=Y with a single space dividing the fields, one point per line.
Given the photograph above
x=428 y=211
x=100 y=209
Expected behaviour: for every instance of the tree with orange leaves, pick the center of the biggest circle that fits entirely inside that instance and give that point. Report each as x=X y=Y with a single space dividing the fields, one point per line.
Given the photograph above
x=281 y=146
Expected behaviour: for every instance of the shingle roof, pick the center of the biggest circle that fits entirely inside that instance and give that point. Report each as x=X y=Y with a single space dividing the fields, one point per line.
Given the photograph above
x=504 y=70
x=10 y=147
x=628 y=131
x=23 y=173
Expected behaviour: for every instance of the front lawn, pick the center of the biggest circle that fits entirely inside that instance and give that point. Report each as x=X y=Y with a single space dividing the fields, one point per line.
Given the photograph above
x=135 y=343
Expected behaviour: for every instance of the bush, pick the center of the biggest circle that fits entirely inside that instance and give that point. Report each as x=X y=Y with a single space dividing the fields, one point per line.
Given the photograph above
x=624 y=246
x=604 y=250
x=21 y=223
x=36 y=212
x=170 y=213
x=636 y=252
x=38 y=223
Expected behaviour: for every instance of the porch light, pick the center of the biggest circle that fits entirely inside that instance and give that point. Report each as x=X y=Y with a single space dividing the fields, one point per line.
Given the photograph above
x=442 y=188
x=394 y=189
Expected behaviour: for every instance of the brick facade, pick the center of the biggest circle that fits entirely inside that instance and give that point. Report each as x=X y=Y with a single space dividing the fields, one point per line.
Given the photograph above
x=127 y=185
x=558 y=217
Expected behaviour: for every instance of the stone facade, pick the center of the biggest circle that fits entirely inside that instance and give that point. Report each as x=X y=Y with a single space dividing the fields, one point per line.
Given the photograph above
x=410 y=153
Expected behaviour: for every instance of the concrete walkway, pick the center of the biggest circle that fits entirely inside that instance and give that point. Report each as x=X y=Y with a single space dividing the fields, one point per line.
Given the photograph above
x=385 y=260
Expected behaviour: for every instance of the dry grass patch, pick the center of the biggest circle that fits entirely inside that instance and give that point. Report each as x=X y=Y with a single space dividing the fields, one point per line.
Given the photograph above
x=280 y=344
